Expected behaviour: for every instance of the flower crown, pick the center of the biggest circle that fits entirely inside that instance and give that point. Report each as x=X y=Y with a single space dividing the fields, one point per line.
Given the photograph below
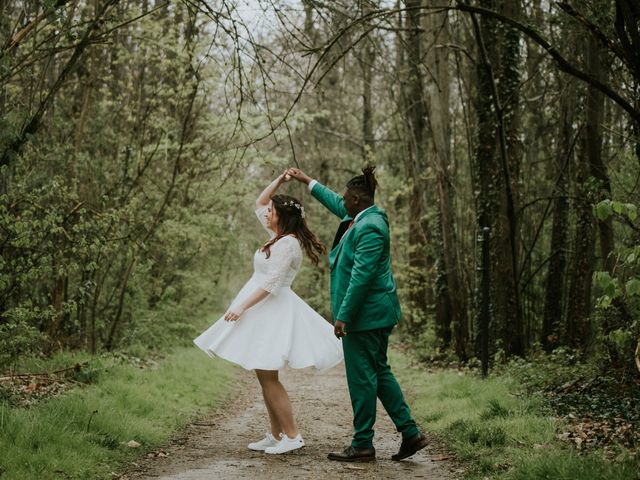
x=291 y=203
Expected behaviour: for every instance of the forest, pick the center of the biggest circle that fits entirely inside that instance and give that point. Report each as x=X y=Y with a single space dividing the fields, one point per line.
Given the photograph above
x=135 y=136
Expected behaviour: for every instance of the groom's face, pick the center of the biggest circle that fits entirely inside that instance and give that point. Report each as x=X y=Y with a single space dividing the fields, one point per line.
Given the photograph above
x=351 y=202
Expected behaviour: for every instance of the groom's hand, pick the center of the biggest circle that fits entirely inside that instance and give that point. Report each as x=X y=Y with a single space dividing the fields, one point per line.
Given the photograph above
x=338 y=329
x=299 y=175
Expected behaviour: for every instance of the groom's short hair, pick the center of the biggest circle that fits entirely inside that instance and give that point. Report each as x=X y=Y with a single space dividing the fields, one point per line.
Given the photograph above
x=365 y=184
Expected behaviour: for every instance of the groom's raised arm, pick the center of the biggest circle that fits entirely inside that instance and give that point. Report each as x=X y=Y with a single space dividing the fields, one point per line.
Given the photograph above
x=327 y=197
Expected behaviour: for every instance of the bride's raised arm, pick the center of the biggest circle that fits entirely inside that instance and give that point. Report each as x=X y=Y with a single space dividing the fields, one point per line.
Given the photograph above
x=265 y=196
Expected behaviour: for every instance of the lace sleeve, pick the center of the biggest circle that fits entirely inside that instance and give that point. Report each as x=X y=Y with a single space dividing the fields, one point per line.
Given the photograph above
x=282 y=258
x=261 y=213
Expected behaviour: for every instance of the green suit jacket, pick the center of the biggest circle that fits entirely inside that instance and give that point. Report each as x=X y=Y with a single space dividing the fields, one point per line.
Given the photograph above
x=363 y=291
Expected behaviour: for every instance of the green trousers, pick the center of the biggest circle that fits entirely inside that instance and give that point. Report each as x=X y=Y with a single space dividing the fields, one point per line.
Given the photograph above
x=369 y=377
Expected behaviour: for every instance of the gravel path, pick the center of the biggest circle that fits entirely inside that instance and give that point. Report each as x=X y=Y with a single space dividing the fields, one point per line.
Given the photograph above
x=215 y=447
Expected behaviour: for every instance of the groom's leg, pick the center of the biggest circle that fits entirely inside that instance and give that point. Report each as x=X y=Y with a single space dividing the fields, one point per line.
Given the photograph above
x=390 y=394
x=360 y=350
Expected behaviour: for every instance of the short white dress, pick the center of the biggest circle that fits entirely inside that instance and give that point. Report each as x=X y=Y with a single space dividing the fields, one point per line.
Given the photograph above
x=279 y=330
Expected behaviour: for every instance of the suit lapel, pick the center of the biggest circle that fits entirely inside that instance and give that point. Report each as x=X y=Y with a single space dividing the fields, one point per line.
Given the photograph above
x=340 y=234
x=344 y=225
x=337 y=241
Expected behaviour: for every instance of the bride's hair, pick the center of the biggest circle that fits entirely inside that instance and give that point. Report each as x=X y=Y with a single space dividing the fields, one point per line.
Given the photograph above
x=291 y=220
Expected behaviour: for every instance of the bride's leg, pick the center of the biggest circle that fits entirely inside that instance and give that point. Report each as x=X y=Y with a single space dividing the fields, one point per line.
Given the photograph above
x=278 y=399
x=276 y=428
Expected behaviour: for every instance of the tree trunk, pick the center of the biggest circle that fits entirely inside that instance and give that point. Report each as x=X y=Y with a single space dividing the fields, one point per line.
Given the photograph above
x=415 y=167
x=555 y=282
x=366 y=60
x=497 y=167
x=113 y=330
x=577 y=330
x=368 y=57
x=593 y=139
x=451 y=311
x=485 y=167
x=58 y=298
x=508 y=305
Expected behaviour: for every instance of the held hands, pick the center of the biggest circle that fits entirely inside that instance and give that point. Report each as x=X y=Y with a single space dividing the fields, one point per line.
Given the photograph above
x=233 y=314
x=285 y=176
x=298 y=175
x=265 y=197
x=339 y=329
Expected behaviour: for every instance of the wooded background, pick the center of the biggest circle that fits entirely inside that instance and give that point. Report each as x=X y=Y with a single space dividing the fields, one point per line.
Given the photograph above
x=135 y=136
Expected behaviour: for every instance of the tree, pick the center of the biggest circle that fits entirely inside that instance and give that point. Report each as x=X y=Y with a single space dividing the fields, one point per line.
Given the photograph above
x=414 y=109
x=451 y=307
x=497 y=167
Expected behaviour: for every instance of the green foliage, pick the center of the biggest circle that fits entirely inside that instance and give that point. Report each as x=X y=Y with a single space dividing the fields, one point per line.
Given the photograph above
x=618 y=297
x=599 y=402
x=501 y=427
x=121 y=216
x=541 y=370
x=476 y=433
x=495 y=409
x=607 y=208
x=610 y=286
x=567 y=465
x=19 y=338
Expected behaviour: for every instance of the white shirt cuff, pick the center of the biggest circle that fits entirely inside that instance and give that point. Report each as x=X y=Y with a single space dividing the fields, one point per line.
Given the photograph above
x=312 y=184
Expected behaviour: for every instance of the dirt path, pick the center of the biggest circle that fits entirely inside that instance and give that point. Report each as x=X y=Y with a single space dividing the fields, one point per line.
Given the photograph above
x=215 y=447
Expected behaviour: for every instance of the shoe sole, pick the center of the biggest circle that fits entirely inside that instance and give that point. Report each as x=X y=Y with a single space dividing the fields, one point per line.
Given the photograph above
x=419 y=447
x=353 y=460
x=284 y=453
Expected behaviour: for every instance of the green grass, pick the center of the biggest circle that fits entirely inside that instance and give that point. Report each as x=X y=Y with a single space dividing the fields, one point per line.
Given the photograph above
x=64 y=438
x=497 y=433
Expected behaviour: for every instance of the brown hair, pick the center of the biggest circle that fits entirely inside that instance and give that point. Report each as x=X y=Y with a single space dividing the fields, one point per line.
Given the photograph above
x=291 y=221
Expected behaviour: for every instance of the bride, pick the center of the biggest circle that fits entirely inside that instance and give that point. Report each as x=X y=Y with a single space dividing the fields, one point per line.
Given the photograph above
x=268 y=325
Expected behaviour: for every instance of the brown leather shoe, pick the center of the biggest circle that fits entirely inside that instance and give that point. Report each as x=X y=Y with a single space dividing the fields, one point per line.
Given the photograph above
x=354 y=454
x=409 y=446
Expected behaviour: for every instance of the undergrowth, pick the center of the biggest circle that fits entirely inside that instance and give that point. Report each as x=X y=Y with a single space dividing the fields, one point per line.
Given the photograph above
x=528 y=420
x=87 y=431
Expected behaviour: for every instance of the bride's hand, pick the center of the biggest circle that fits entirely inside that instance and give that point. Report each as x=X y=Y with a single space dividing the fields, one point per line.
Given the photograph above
x=233 y=314
x=286 y=177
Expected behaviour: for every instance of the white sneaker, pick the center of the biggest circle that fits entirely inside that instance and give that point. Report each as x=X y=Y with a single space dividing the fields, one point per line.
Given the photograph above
x=286 y=444
x=266 y=442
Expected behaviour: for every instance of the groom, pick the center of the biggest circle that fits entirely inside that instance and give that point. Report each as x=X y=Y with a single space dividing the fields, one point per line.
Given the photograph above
x=365 y=309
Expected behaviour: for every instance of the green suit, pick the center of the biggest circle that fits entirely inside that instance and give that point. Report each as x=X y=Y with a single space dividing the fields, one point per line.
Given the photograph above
x=363 y=295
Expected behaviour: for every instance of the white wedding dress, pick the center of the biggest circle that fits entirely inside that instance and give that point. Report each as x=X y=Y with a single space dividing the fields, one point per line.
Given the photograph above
x=281 y=329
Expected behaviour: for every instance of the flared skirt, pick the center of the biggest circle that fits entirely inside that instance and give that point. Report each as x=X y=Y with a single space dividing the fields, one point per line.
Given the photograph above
x=280 y=330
